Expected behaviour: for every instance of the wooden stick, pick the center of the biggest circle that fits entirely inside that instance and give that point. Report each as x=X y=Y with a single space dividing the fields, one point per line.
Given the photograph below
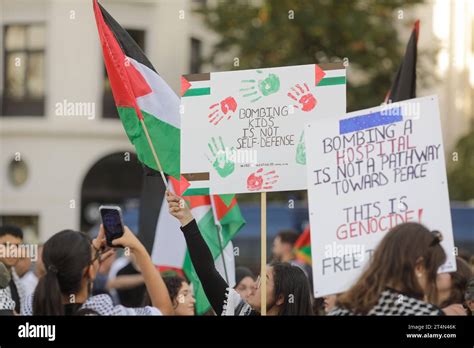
x=154 y=153
x=263 y=260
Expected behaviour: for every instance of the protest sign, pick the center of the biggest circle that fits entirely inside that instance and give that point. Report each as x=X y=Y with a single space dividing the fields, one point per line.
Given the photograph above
x=243 y=130
x=367 y=172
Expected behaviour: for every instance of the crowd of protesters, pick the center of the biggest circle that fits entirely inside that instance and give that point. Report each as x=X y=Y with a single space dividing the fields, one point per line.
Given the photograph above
x=76 y=275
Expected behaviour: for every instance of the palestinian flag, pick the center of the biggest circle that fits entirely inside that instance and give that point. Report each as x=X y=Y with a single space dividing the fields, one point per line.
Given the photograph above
x=140 y=94
x=302 y=247
x=222 y=222
x=404 y=86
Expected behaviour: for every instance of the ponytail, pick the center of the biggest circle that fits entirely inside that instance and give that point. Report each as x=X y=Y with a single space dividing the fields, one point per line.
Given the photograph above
x=47 y=299
x=65 y=256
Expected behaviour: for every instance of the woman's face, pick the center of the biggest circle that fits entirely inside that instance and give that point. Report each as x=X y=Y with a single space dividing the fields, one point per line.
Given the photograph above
x=329 y=302
x=185 y=301
x=246 y=287
x=254 y=298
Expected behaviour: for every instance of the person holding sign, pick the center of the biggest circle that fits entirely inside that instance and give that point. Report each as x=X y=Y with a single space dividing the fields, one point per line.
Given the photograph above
x=288 y=291
x=400 y=277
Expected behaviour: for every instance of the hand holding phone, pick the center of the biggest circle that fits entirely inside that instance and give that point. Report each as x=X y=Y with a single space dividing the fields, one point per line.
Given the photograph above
x=112 y=222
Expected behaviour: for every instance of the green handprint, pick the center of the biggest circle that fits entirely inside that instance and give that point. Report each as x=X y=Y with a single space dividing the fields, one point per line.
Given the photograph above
x=221 y=162
x=301 y=151
x=269 y=85
x=261 y=88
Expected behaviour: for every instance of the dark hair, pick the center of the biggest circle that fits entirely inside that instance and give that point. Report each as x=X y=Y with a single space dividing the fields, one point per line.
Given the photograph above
x=288 y=236
x=459 y=283
x=11 y=230
x=65 y=256
x=291 y=284
x=173 y=284
x=470 y=290
x=393 y=264
x=241 y=273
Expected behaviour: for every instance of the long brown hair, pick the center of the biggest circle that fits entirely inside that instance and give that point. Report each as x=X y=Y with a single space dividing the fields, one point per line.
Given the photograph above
x=459 y=281
x=393 y=264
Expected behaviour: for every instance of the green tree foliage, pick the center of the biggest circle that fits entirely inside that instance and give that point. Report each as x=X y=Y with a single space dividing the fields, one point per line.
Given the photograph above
x=272 y=33
x=461 y=173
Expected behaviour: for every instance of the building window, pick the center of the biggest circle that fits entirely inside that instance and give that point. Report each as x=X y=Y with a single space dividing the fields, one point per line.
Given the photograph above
x=17 y=172
x=24 y=51
x=196 y=61
x=109 y=110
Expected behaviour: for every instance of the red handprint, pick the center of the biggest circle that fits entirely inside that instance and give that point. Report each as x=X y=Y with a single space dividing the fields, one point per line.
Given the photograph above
x=227 y=106
x=256 y=181
x=305 y=98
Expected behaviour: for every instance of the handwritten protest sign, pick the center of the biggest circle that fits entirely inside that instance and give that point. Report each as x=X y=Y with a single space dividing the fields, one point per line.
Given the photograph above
x=242 y=131
x=367 y=172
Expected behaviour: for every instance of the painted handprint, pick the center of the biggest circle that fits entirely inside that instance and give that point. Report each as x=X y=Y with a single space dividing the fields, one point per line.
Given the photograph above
x=259 y=180
x=218 y=111
x=301 y=150
x=256 y=89
x=305 y=98
x=221 y=161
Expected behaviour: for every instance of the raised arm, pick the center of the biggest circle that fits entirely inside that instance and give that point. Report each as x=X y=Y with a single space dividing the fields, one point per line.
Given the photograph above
x=214 y=285
x=154 y=283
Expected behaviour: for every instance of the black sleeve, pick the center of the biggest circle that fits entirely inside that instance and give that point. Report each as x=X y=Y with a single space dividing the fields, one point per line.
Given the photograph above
x=214 y=285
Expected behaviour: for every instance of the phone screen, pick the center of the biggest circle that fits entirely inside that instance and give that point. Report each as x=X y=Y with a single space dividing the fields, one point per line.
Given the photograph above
x=112 y=221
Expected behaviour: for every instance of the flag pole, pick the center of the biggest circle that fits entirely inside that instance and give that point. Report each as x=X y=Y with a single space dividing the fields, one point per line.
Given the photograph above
x=157 y=160
x=219 y=236
x=263 y=253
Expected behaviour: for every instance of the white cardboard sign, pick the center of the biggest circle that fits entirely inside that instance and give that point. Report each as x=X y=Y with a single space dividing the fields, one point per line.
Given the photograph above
x=242 y=131
x=368 y=171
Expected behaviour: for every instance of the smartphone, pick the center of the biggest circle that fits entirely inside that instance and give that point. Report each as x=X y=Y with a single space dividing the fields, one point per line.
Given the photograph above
x=112 y=221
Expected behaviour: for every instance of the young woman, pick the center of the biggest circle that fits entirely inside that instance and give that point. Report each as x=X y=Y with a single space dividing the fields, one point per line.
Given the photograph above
x=452 y=288
x=72 y=260
x=181 y=295
x=329 y=303
x=288 y=291
x=400 y=276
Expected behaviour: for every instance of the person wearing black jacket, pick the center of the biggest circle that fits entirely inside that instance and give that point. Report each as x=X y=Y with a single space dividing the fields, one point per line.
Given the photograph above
x=288 y=290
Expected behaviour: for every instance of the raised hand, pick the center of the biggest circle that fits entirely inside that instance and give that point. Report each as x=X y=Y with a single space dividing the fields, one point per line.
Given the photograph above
x=178 y=208
x=128 y=240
